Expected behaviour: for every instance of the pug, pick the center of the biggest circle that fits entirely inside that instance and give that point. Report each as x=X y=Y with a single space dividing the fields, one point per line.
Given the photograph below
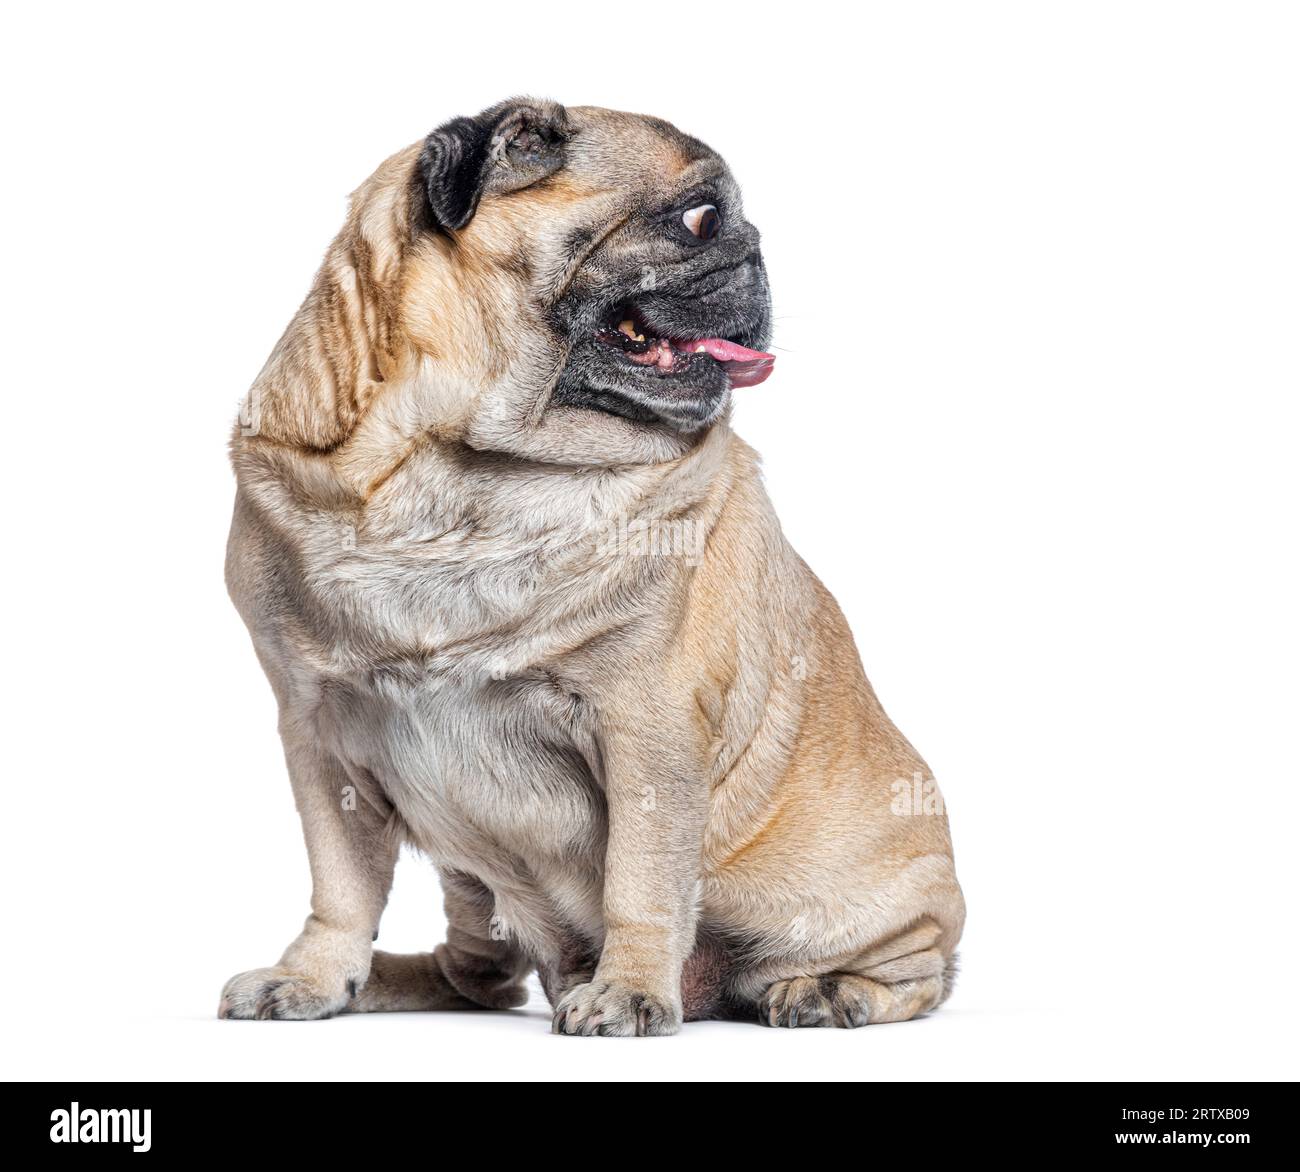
x=524 y=603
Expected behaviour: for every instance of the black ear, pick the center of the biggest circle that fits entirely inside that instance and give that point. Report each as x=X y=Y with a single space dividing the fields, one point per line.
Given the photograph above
x=503 y=149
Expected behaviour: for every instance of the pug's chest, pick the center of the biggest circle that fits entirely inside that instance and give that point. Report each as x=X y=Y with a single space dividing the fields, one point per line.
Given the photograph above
x=441 y=690
x=438 y=682
x=474 y=767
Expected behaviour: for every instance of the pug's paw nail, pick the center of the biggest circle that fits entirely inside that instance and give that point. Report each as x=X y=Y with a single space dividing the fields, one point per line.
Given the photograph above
x=833 y=999
x=274 y=994
x=608 y=1009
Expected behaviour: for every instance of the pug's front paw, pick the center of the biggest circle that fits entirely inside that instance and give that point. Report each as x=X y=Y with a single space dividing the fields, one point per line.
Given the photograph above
x=275 y=994
x=608 y=1009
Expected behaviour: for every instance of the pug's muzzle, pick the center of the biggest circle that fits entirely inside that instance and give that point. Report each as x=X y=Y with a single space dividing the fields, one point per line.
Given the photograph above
x=669 y=345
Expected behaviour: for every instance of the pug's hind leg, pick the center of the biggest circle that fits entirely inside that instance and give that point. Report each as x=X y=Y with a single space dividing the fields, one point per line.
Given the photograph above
x=476 y=967
x=409 y=982
x=897 y=990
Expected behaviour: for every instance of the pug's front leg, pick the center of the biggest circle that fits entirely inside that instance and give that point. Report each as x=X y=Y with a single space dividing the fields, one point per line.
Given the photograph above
x=657 y=801
x=352 y=857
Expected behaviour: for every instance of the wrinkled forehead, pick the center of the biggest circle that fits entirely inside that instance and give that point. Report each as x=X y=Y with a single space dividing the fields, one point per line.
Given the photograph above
x=610 y=149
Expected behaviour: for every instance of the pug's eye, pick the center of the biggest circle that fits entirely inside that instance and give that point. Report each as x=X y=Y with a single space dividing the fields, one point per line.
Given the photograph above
x=703 y=221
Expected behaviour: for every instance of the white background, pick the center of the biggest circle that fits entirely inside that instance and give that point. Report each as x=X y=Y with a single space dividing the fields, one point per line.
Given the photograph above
x=1036 y=271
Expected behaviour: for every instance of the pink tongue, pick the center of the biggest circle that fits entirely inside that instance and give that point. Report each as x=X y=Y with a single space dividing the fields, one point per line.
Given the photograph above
x=751 y=366
x=725 y=351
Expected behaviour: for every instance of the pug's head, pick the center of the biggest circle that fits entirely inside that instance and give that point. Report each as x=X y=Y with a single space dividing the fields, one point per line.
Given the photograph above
x=576 y=285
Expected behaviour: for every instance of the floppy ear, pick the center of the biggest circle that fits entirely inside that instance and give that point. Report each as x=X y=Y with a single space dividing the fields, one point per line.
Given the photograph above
x=506 y=148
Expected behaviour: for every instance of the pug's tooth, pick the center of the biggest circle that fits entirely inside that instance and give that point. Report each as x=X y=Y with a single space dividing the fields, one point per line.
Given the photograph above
x=626 y=327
